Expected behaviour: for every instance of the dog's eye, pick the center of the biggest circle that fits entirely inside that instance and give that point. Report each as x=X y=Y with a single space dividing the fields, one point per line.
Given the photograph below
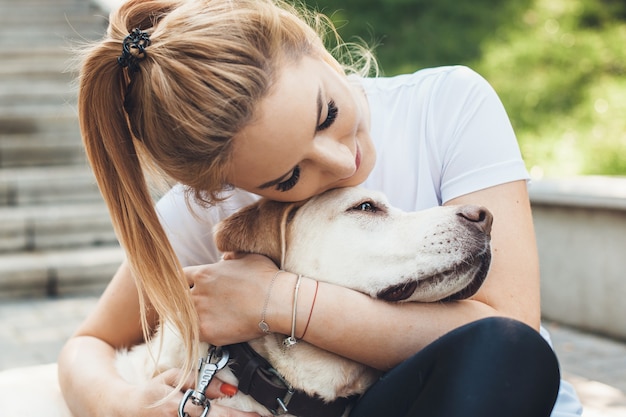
x=366 y=206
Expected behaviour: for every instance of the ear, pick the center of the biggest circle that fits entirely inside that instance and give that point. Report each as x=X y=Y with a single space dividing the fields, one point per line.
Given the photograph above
x=257 y=228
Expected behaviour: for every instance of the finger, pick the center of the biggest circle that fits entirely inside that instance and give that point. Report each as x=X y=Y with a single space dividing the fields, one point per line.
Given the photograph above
x=173 y=376
x=218 y=388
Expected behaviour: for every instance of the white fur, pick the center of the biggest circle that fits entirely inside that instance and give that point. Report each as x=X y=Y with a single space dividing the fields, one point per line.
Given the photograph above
x=330 y=240
x=326 y=240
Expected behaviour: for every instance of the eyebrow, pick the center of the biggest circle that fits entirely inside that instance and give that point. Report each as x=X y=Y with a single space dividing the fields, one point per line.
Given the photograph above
x=280 y=179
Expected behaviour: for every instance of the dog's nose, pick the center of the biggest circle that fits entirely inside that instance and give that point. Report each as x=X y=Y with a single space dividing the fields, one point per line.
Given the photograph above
x=477 y=215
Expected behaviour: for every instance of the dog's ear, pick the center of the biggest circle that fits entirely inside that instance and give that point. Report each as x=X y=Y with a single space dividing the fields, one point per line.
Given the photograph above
x=257 y=228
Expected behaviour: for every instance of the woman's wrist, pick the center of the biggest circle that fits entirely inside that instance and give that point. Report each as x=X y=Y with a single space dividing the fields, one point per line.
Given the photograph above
x=287 y=291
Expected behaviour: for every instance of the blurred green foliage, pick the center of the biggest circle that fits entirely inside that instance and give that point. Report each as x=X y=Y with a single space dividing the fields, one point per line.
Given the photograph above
x=559 y=66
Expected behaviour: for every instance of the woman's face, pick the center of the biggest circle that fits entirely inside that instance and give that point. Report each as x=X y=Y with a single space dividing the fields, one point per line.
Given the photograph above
x=308 y=135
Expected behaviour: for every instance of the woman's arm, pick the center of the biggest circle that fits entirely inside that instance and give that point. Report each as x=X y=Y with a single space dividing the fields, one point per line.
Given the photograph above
x=88 y=378
x=512 y=285
x=87 y=375
x=371 y=331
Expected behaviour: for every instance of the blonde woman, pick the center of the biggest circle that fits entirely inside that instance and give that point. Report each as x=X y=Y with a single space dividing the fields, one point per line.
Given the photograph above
x=235 y=99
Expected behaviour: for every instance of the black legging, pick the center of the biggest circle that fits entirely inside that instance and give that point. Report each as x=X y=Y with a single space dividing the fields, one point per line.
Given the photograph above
x=492 y=367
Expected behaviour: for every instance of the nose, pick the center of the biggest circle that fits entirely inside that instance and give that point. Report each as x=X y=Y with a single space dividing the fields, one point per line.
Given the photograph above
x=334 y=157
x=477 y=215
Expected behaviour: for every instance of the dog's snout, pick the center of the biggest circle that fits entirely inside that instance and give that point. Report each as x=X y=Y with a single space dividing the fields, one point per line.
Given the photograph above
x=477 y=215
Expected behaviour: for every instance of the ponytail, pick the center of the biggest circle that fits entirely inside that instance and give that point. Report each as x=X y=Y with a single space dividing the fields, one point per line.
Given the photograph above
x=113 y=156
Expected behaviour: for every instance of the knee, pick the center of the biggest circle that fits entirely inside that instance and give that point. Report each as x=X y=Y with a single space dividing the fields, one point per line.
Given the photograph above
x=516 y=348
x=509 y=335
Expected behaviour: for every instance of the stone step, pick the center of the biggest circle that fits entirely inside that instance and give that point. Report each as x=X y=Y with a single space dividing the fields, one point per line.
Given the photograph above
x=58 y=272
x=54 y=62
x=52 y=37
x=12 y=72
x=41 y=149
x=48 y=120
x=41 y=21
x=43 y=227
x=42 y=113
x=48 y=23
x=28 y=91
x=45 y=83
x=47 y=185
x=27 y=8
x=56 y=237
x=57 y=28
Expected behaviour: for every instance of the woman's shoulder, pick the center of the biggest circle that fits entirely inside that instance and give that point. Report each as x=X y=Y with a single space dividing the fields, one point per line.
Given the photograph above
x=189 y=224
x=457 y=76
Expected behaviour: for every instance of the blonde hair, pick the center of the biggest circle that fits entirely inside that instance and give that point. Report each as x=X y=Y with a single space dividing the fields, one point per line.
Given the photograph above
x=207 y=66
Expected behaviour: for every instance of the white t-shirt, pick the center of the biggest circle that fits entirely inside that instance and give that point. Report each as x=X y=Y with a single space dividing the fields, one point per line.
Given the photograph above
x=439 y=133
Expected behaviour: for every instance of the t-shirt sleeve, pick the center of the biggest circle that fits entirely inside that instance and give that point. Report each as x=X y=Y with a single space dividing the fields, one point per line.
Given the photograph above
x=189 y=225
x=477 y=147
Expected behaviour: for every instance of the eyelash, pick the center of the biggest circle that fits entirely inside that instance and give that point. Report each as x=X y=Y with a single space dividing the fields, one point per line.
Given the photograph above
x=330 y=118
x=289 y=183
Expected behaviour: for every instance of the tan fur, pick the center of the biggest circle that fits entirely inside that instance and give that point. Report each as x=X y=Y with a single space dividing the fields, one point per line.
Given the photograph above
x=266 y=219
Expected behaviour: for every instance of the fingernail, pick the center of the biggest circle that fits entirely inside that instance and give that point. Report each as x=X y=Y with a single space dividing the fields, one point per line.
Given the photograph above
x=228 y=389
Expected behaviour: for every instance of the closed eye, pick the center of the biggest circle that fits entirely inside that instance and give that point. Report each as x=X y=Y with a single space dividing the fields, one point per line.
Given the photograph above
x=290 y=182
x=331 y=116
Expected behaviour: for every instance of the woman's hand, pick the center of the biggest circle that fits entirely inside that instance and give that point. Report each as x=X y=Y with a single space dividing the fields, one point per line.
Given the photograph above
x=86 y=358
x=162 y=385
x=229 y=297
x=143 y=396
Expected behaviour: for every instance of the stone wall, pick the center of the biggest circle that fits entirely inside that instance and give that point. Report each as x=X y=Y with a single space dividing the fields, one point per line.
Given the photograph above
x=581 y=236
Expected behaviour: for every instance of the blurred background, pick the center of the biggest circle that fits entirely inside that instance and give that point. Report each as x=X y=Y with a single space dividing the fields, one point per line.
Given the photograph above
x=559 y=66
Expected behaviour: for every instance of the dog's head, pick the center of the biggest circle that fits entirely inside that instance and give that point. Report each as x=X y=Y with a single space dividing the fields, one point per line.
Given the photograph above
x=354 y=238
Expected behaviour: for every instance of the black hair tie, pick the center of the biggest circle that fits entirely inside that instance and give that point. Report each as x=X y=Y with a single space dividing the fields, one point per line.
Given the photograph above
x=134 y=49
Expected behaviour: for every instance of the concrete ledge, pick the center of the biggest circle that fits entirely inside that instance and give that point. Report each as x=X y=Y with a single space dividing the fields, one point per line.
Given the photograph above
x=581 y=236
x=589 y=192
